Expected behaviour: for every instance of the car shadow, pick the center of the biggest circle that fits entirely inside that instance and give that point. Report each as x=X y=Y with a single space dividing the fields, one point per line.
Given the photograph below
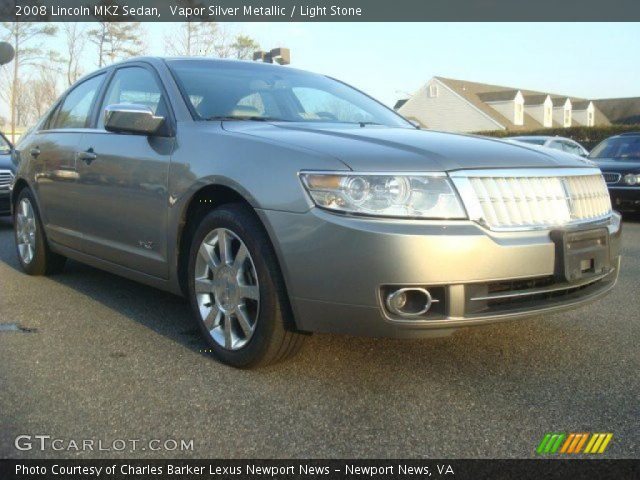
x=163 y=313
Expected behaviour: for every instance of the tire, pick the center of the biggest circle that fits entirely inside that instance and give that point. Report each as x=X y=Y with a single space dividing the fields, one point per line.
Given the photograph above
x=34 y=254
x=243 y=285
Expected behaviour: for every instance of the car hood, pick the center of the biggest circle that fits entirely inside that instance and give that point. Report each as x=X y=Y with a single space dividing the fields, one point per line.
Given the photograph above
x=378 y=148
x=610 y=164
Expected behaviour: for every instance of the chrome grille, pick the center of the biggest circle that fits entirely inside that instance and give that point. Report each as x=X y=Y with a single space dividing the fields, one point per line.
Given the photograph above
x=535 y=198
x=611 y=177
x=6 y=177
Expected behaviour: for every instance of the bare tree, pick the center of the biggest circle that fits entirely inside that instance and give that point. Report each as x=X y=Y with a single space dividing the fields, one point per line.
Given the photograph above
x=42 y=90
x=208 y=38
x=222 y=42
x=75 y=39
x=126 y=40
x=191 y=38
x=117 y=40
x=194 y=38
x=98 y=36
x=24 y=37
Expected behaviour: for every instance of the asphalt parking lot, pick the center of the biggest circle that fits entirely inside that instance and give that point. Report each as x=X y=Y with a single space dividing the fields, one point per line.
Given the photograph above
x=100 y=357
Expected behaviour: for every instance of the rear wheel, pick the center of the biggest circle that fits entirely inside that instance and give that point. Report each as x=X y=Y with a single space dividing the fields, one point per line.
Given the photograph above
x=236 y=290
x=34 y=254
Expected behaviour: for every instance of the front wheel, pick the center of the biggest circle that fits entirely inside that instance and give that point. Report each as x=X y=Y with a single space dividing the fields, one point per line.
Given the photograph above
x=236 y=290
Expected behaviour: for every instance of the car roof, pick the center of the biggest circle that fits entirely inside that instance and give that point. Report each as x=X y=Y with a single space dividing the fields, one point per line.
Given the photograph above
x=215 y=61
x=157 y=61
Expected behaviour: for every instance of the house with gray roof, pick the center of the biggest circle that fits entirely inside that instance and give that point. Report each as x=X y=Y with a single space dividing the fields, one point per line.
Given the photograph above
x=625 y=111
x=461 y=106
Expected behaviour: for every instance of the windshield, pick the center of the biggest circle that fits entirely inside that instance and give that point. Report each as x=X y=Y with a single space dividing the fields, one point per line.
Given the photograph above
x=619 y=148
x=249 y=91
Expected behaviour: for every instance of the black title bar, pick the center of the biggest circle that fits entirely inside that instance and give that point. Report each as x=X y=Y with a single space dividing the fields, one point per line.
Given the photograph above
x=319 y=10
x=318 y=469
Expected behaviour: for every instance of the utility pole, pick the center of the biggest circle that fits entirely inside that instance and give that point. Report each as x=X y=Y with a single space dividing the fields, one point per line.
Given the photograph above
x=279 y=55
x=6 y=55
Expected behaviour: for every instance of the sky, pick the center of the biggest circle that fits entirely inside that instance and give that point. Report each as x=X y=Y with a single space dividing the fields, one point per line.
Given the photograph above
x=392 y=60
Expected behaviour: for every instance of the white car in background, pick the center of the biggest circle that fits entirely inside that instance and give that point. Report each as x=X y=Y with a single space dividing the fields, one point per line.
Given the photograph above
x=557 y=143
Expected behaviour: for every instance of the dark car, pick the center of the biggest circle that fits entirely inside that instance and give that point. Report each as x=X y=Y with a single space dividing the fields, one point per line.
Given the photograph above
x=619 y=159
x=6 y=174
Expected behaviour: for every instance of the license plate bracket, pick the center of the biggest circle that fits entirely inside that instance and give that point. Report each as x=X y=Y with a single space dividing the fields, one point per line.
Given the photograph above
x=581 y=254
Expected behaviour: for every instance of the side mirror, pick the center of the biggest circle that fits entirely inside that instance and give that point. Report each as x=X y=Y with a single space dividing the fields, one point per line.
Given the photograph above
x=132 y=118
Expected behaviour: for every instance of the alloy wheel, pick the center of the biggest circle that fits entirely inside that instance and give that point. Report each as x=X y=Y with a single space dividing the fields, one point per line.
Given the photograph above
x=26 y=231
x=226 y=289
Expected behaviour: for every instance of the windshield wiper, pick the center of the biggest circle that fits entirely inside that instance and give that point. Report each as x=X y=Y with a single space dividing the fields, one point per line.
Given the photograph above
x=253 y=118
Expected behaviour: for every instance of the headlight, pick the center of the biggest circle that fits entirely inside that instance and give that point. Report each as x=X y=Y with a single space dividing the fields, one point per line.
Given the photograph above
x=631 y=179
x=420 y=195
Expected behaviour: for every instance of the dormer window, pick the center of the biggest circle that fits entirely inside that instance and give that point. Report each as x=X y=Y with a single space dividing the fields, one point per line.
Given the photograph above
x=548 y=116
x=518 y=109
x=433 y=90
x=519 y=114
x=547 y=112
x=591 y=120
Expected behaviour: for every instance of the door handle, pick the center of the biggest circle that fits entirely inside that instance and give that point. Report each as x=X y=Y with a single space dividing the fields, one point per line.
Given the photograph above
x=87 y=157
x=35 y=152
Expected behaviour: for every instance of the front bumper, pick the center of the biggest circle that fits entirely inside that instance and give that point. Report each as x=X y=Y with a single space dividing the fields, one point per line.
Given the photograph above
x=337 y=266
x=625 y=198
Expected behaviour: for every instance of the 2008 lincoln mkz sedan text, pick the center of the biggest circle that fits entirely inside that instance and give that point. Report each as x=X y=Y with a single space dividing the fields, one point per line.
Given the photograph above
x=282 y=202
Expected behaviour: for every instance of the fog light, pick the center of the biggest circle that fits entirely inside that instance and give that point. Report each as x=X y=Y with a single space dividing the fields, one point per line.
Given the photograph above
x=398 y=301
x=409 y=302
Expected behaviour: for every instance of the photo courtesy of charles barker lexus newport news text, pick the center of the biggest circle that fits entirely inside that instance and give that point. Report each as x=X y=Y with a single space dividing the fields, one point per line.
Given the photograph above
x=348 y=239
